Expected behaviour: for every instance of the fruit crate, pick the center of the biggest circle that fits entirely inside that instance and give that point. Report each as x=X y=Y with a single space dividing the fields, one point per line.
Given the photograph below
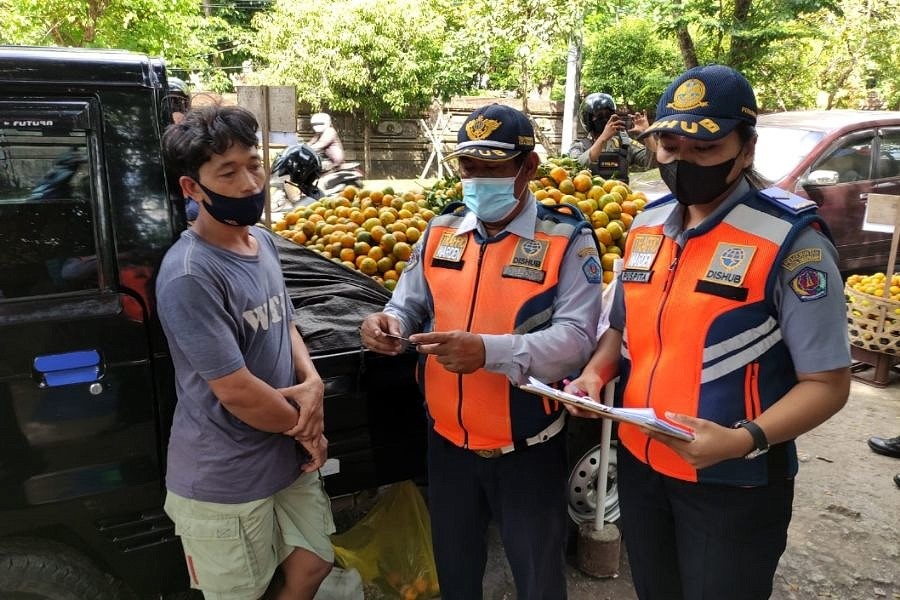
x=874 y=322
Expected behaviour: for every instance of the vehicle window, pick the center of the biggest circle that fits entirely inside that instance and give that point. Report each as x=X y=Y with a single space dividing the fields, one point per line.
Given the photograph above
x=888 y=164
x=780 y=149
x=46 y=214
x=851 y=158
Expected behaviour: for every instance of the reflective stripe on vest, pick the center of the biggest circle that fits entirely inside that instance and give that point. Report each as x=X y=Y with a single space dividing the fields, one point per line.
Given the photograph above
x=490 y=288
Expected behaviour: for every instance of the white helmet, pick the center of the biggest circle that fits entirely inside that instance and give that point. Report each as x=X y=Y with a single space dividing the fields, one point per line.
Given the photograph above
x=320 y=121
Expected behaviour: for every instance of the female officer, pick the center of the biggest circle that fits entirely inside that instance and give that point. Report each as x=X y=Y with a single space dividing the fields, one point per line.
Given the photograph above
x=729 y=321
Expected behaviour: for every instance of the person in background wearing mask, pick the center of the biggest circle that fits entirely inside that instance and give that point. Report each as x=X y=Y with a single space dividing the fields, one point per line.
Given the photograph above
x=608 y=151
x=730 y=321
x=247 y=435
x=326 y=141
x=503 y=288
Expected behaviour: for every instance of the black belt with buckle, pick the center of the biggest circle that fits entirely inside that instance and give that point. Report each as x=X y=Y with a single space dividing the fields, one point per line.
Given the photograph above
x=551 y=430
x=493 y=453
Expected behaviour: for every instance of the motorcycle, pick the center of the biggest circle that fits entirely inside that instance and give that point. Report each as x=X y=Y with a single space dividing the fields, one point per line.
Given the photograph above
x=343 y=175
x=306 y=181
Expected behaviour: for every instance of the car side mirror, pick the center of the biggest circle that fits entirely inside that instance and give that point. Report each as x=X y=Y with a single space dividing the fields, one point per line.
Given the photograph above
x=821 y=177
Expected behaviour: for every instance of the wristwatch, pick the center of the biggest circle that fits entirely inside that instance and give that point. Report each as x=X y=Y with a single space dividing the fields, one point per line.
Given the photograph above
x=760 y=442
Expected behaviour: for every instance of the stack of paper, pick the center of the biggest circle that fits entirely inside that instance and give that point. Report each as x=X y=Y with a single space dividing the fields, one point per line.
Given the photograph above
x=642 y=417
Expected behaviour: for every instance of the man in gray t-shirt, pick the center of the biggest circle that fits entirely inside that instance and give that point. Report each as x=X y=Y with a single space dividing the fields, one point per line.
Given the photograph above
x=225 y=311
x=247 y=435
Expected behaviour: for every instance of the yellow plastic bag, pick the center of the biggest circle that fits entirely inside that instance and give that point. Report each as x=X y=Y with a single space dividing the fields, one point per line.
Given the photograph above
x=391 y=546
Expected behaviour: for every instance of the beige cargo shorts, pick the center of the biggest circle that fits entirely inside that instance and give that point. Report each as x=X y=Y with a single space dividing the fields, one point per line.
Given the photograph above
x=232 y=550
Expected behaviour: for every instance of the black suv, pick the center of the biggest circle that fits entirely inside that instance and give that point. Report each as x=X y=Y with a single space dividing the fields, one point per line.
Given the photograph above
x=86 y=380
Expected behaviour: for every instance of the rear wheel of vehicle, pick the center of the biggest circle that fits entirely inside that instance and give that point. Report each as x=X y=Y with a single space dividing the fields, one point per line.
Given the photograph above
x=584 y=453
x=39 y=570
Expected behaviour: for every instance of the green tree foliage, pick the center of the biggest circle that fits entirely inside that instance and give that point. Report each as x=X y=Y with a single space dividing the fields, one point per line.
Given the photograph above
x=176 y=30
x=859 y=49
x=627 y=60
x=367 y=57
x=518 y=46
x=736 y=32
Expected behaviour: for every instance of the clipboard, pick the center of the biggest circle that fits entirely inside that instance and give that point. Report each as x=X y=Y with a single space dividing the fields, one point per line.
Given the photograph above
x=642 y=417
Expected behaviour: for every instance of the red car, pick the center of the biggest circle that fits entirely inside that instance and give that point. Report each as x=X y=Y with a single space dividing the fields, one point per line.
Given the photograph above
x=836 y=158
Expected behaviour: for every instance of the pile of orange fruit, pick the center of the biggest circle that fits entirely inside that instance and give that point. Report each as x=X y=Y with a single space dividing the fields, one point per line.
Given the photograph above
x=373 y=231
x=367 y=230
x=609 y=205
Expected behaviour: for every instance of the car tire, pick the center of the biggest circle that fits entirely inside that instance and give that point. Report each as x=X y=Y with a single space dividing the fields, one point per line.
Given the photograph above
x=584 y=462
x=45 y=570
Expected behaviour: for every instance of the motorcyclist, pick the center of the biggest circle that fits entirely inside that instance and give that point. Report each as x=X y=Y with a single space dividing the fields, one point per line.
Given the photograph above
x=179 y=103
x=609 y=151
x=326 y=141
x=301 y=164
x=179 y=98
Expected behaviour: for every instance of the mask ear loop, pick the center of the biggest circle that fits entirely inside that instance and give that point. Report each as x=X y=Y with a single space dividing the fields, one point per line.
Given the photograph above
x=515 y=179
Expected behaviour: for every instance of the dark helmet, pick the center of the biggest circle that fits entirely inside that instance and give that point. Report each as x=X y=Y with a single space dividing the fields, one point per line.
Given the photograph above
x=178 y=95
x=300 y=162
x=596 y=109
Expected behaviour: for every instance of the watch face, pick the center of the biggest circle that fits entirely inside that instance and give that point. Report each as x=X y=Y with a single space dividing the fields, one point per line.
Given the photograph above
x=755 y=453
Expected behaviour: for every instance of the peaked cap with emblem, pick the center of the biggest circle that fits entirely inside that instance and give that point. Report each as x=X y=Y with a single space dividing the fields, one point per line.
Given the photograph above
x=494 y=132
x=705 y=103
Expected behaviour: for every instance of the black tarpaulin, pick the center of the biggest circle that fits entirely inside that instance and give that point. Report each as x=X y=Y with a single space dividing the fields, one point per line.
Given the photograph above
x=330 y=301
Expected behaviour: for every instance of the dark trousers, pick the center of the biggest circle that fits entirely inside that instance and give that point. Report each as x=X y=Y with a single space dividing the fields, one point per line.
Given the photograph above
x=524 y=492
x=700 y=541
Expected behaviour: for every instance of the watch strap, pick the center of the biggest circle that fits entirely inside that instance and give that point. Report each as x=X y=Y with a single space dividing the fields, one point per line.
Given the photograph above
x=760 y=441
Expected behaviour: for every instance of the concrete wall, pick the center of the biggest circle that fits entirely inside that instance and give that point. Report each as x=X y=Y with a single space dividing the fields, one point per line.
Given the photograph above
x=400 y=147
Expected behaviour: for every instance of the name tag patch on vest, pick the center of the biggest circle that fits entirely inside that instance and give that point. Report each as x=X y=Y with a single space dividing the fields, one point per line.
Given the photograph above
x=729 y=264
x=810 y=284
x=802 y=257
x=450 y=250
x=643 y=251
x=528 y=261
x=629 y=276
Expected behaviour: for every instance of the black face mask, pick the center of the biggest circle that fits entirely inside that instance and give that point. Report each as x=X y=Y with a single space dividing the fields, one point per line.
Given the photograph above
x=237 y=212
x=693 y=184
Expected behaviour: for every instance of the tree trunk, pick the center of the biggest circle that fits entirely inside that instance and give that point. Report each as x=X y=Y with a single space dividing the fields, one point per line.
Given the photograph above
x=367 y=163
x=741 y=47
x=686 y=45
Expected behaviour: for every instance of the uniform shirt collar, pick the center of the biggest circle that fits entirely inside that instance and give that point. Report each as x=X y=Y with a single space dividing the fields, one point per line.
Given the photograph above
x=522 y=225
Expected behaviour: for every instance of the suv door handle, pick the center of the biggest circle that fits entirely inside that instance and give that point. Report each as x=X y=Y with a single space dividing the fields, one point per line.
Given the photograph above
x=80 y=366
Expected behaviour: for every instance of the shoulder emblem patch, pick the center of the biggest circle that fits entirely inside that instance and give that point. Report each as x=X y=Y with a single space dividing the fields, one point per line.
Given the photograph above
x=592 y=270
x=802 y=257
x=809 y=284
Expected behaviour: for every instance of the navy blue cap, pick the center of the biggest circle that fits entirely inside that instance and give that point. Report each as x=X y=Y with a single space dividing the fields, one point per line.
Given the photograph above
x=494 y=132
x=705 y=103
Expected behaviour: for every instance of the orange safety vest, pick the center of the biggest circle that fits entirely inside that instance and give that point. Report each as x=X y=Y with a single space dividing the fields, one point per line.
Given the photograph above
x=504 y=285
x=702 y=334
